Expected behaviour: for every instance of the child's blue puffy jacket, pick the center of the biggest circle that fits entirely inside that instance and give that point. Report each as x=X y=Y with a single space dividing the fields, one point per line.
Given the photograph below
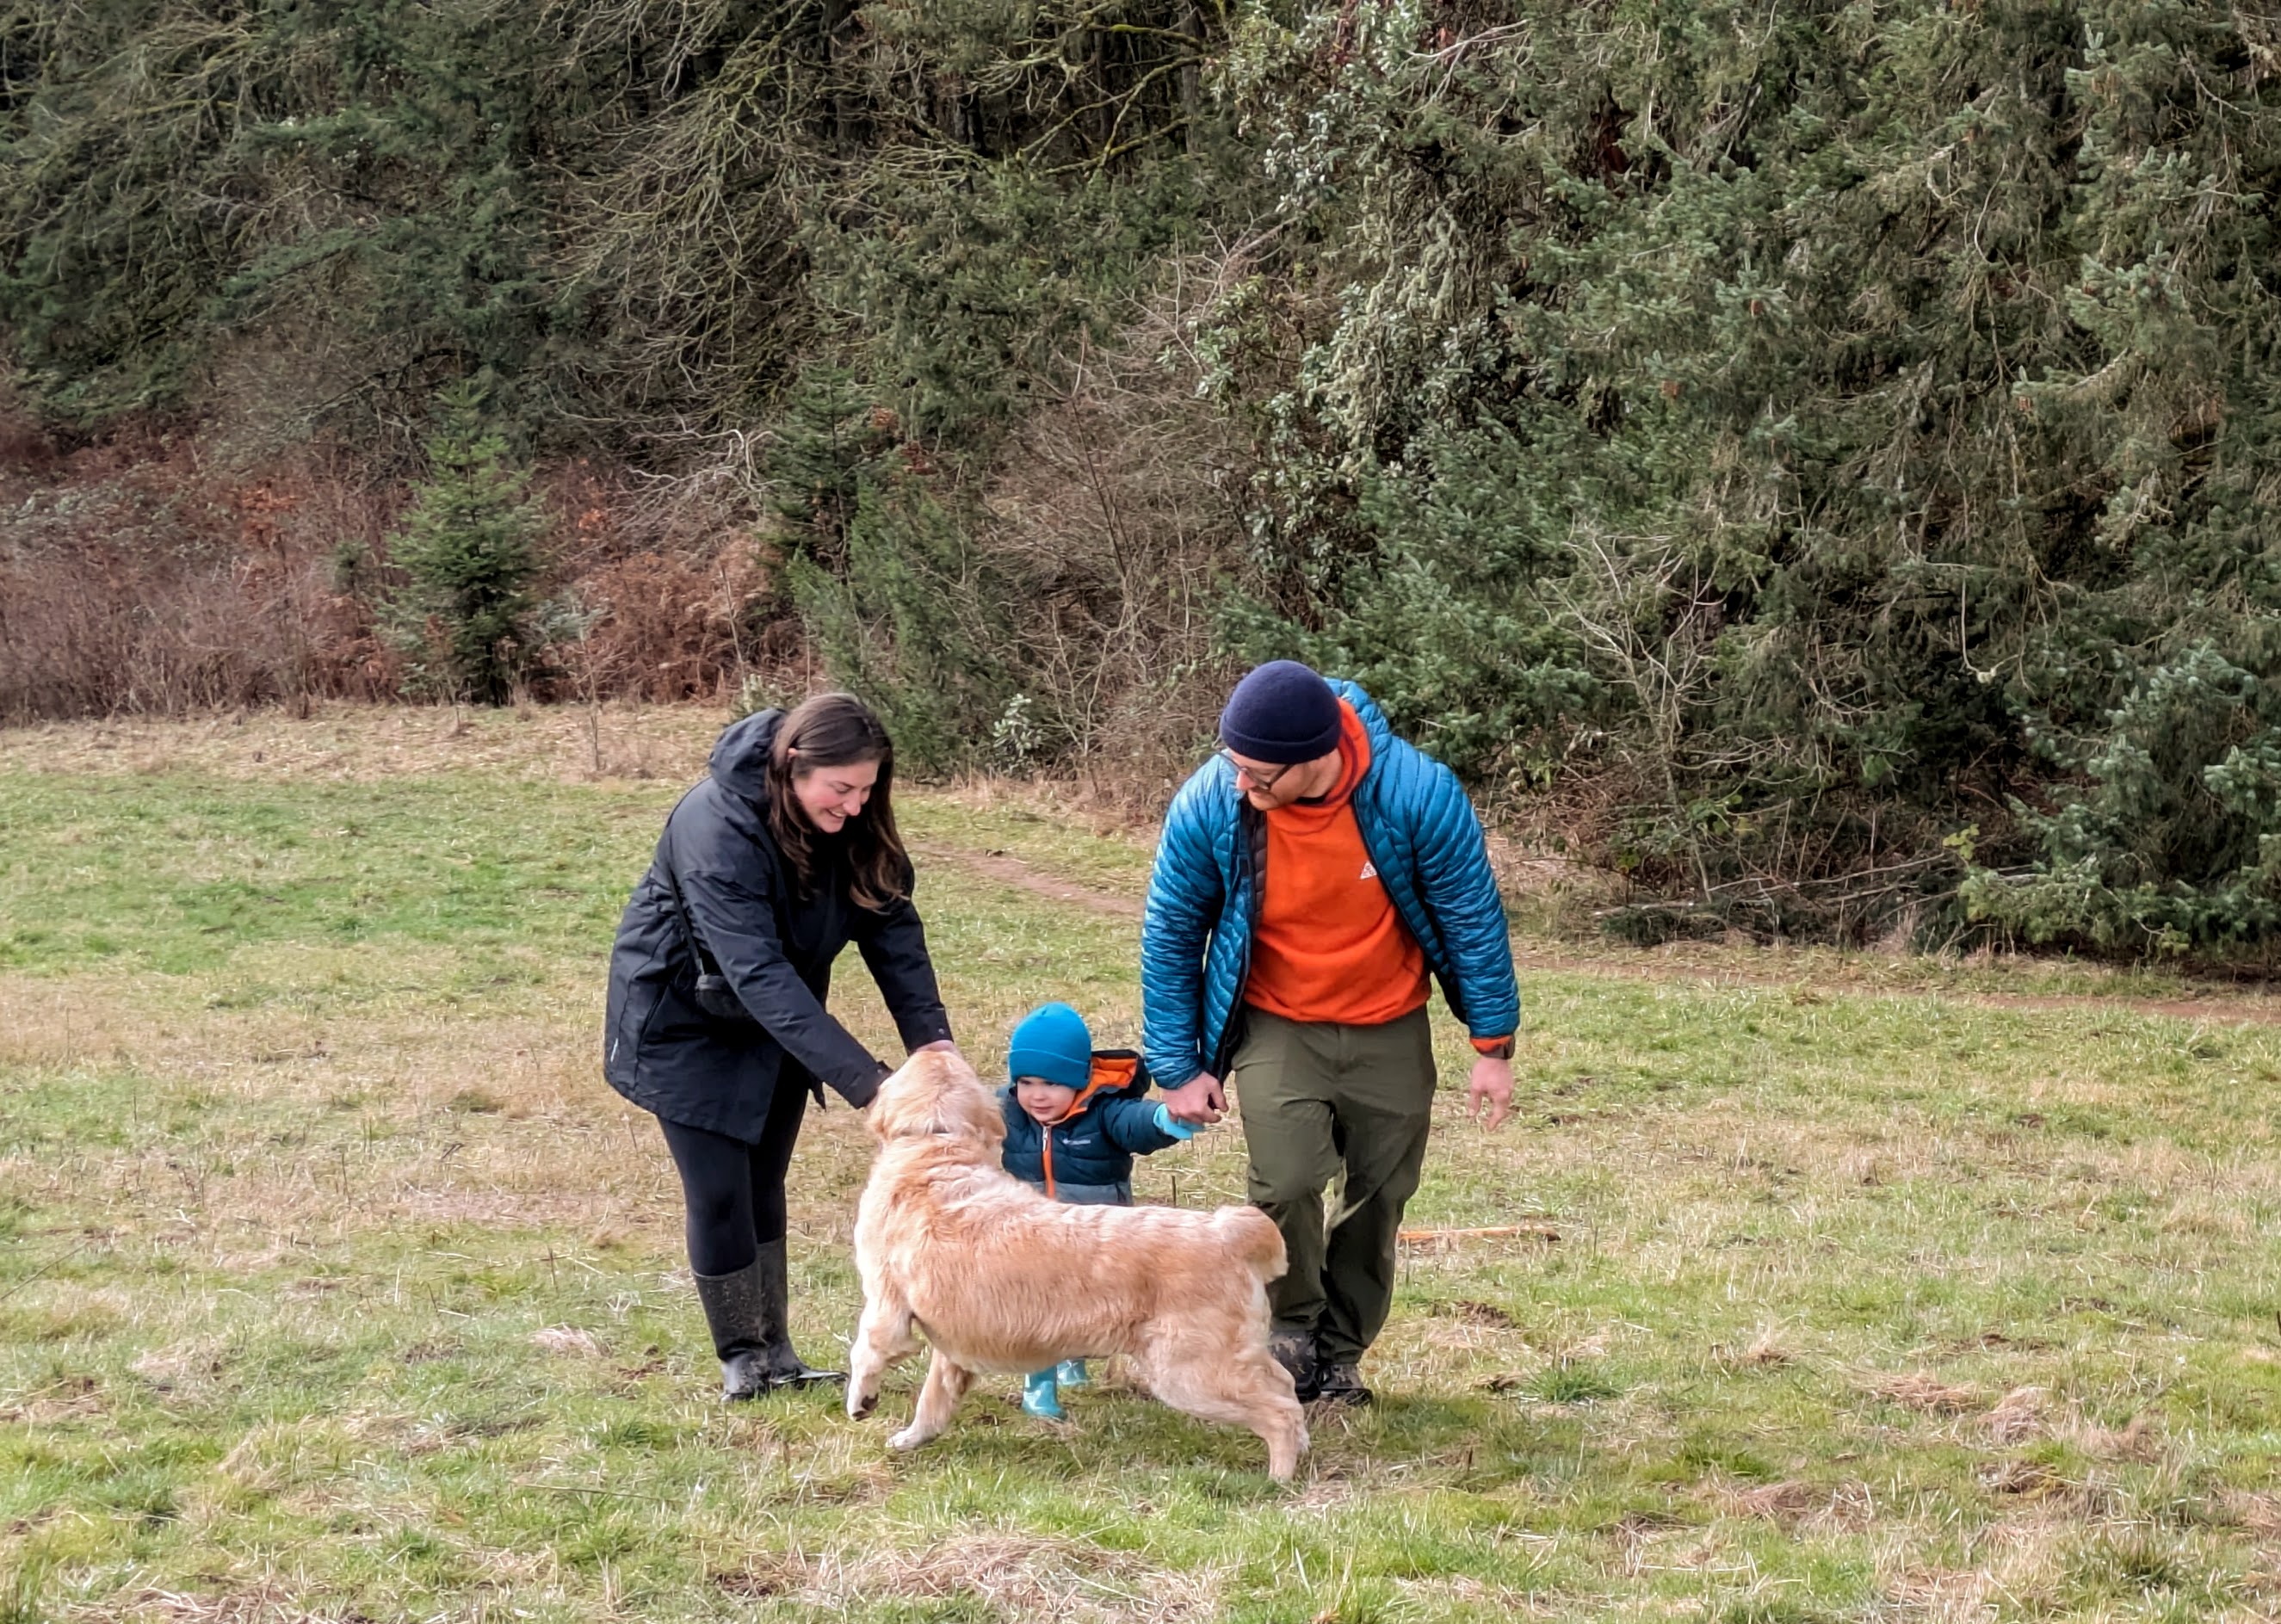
x=1086 y=1157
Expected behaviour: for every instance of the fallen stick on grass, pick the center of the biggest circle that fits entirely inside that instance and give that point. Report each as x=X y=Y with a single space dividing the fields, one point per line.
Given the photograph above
x=1427 y=1237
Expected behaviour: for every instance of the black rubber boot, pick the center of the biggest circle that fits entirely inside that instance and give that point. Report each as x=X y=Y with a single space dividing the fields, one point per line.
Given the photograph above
x=783 y=1367
x=732 y=1313
x=747 y=1313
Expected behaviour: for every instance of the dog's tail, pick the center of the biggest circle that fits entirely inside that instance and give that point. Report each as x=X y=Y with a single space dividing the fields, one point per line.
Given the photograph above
x=1251 y=1235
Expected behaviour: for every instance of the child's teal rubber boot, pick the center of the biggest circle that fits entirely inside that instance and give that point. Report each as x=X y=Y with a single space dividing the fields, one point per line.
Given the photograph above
x=1040 y=1397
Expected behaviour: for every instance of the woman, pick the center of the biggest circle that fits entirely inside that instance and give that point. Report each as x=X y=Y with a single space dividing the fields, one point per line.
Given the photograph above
x=785 y=853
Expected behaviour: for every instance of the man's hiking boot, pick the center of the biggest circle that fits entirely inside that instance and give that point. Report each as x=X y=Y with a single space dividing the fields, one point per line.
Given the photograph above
x=1295 y=1351
x=1340 y=1382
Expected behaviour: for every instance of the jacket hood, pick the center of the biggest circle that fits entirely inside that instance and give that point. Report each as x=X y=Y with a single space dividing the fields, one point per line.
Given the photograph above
x=1115 y=1072
x=741 y=755
x=1373 y=720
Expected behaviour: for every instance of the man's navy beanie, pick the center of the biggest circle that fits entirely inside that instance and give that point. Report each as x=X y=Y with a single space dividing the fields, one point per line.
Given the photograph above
x=1282 y=714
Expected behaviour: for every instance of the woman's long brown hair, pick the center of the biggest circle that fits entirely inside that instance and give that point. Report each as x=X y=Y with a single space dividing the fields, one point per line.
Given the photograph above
x=837 y=729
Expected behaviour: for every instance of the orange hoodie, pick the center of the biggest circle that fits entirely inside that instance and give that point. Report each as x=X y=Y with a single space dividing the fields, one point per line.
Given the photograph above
x=1330 y=944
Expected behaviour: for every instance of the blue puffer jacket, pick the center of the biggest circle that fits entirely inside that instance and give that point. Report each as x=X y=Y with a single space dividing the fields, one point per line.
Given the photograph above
x=1086 y=1157
x=1205 y=891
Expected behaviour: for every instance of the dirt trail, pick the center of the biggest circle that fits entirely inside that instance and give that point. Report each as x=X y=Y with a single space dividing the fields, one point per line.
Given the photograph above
x=2228 y=1009
x=2241 y=1010
x=2231 y=1009
x=1012 y=870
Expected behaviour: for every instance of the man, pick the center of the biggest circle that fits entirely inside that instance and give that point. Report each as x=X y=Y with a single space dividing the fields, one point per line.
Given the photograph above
x=1311 y=876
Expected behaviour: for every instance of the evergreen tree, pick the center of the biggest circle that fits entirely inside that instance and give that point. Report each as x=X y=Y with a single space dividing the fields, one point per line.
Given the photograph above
x=1849 y=437
x=1824 y=419
x=466 y=618
x=915 y=621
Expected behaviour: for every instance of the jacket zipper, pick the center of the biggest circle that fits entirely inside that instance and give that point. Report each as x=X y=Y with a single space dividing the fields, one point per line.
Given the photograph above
x=1045 y=1142
x=1434 y=959
x=1251 y=831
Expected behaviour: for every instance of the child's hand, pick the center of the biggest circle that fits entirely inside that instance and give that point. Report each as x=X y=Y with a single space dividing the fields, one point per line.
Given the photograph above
x=1167 y=1122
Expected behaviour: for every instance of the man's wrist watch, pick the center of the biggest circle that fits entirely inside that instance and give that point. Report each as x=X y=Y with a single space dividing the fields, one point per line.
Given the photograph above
x=1502 y=1049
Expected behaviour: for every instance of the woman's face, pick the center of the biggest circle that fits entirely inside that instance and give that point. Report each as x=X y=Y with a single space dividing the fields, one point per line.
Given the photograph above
x=831 y=795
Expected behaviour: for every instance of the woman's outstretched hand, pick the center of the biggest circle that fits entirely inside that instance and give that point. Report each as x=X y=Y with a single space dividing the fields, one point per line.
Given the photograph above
x=886 y=1071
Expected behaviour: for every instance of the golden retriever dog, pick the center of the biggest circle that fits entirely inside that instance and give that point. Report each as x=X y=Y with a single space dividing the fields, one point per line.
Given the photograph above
x=998 y=1277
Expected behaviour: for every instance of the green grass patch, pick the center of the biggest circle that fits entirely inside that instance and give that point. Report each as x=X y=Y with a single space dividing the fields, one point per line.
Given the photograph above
x=333 y=1282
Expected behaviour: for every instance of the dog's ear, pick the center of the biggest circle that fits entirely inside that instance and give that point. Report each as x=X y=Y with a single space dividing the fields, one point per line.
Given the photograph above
x=962 y=1106
x=993 y=1122
x=979 y=1114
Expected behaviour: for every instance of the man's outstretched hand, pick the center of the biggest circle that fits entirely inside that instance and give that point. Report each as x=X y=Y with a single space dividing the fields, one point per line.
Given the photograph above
x=1201 y=1100
x=1491 y=1087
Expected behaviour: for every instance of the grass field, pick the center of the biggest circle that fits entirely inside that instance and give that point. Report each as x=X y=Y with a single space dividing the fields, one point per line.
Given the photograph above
x=335 y=1284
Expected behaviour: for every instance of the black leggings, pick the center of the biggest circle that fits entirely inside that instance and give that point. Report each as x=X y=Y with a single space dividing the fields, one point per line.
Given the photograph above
x=735 y=1191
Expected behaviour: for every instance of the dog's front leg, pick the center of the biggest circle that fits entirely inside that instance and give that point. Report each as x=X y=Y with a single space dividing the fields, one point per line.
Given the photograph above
x=946 y=1384
x=883 y=1337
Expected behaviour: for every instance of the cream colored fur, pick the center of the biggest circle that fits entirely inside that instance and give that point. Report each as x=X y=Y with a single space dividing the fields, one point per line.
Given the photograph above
x=998 y=1277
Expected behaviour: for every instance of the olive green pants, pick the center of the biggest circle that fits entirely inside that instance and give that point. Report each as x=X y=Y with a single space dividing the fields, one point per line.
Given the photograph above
x=1323 y=1103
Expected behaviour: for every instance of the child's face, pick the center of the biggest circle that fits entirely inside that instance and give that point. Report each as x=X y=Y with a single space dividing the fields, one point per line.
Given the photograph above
x=1045 y=1101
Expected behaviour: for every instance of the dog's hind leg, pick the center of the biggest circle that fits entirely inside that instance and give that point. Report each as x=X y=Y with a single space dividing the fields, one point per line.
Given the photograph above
x=883 y=1337
x=946 y=1384
x=1248 y=1389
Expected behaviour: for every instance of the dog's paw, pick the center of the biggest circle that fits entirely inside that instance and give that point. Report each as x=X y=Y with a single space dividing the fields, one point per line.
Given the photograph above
x=909 y=1438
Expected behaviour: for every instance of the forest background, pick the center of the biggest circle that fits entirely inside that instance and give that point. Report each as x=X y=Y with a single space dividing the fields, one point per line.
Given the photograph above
x=1813 y=465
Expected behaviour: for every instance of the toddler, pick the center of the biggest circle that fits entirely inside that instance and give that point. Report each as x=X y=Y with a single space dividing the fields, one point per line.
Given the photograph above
x=1075 y=1118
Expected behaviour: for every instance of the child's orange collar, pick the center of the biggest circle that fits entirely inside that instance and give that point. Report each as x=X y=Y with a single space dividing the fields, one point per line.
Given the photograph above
x=1111 y=1073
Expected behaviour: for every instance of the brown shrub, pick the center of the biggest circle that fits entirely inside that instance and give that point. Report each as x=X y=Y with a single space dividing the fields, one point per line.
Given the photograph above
x=134 y=578
x=671 y=627
x=1118 y=505
x=140 y=575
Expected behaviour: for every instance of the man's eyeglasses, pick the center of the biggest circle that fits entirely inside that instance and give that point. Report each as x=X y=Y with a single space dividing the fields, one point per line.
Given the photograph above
x=1261 y=781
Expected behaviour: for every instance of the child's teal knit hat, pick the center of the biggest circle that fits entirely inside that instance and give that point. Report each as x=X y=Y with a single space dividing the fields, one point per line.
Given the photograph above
x=1052 y=1043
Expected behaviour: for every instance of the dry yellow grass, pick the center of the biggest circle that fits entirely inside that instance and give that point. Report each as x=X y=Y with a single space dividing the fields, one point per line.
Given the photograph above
x=378 y=743
x=341 y=1286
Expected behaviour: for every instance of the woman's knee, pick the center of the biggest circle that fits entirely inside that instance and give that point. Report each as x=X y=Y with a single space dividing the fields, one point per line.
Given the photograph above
x=771 y=1216
x=715 y=1206
x=720 y=1236
x=718 y=1202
